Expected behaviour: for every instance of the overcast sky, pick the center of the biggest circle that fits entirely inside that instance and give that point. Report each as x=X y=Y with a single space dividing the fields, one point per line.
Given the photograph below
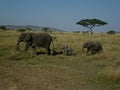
x=61 y=14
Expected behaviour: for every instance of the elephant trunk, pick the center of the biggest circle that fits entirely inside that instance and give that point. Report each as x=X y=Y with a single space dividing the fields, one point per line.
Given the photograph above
x=82 y=49
x=17 y=46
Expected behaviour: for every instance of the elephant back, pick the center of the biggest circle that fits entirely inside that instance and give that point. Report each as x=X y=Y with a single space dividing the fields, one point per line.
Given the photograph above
x=42 y=39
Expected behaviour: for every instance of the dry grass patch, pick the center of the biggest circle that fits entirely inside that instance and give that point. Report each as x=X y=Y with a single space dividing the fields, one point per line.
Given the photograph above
x=45 y=77
x=23 y=72
x=112 y=72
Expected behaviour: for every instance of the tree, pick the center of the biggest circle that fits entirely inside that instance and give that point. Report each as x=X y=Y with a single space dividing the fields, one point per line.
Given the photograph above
x=3 y=27
x=45 y=29
x=91 y=23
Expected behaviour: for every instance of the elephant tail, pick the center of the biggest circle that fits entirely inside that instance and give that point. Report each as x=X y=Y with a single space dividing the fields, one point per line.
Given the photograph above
x=52 y=44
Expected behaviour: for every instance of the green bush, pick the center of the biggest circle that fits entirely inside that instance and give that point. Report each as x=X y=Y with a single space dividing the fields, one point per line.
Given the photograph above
x=111 y=32
x=3 y=27
x=21 y=30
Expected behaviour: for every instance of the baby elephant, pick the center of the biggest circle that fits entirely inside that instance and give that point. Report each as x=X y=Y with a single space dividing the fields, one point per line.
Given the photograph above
x=67 y=51
x=92 y=47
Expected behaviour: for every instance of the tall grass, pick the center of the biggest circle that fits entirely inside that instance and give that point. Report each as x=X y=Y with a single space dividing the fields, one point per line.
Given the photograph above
x=79 y=72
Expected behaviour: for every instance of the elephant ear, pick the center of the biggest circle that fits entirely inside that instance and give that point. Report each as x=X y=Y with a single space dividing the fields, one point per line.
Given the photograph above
x=90 y=45
x=28 y=37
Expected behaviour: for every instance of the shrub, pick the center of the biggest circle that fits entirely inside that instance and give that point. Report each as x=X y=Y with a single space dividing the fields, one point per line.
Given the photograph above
x=3 y=27
x=21 y=30
x=111 y=32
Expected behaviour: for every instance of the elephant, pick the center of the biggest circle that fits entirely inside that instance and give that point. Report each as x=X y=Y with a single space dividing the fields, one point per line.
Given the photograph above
x=67 y=51
x=92 y=47
x=34 y=40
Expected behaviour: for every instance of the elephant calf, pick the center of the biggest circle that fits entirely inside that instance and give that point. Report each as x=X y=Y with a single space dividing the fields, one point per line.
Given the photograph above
x=67 y=51
x=35 y=40
x=92 y=47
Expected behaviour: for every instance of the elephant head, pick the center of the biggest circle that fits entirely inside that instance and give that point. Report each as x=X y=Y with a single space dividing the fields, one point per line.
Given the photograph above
x=24 y=37
x=87 y=45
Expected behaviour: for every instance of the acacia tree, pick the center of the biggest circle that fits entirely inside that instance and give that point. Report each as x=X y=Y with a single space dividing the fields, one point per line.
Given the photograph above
x=91 y=23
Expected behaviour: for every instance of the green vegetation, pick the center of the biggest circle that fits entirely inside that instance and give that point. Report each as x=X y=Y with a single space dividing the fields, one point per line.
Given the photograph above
x=111 y=32
x=79 y=72
x=3 y=27
x=21 y=30
x=46 y=29
x=91 y=23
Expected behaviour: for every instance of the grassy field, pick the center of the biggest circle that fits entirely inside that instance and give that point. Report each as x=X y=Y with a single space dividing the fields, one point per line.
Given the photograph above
x=79 y=72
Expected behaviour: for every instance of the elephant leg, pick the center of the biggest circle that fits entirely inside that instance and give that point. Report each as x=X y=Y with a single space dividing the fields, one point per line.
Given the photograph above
x=34 y=50
x=28 y=44
x=48 y=51
x=93 y=52
x=88 y=51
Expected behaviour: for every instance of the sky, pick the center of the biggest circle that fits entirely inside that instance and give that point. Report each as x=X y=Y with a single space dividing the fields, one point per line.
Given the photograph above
x=61 y=14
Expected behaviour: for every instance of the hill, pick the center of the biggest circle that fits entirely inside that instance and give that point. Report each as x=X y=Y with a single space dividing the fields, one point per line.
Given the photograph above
x=33 y=27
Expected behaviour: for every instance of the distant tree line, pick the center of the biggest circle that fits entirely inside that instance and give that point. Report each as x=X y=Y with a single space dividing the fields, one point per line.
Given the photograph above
x=88 y=23
x=24 y=29
x=2 y=27
x=21 y=30
x=44 y=29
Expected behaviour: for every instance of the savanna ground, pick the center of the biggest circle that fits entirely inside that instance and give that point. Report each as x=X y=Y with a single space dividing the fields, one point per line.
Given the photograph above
x=79 y=72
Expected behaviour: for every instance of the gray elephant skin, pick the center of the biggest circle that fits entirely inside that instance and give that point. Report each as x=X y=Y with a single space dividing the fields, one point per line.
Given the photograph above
x=67 y=50
x=92 y=47
x=34 y=40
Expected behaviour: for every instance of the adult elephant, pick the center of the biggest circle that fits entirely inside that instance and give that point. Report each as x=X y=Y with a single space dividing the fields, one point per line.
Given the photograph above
x=92 y=47
x=35 y=40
